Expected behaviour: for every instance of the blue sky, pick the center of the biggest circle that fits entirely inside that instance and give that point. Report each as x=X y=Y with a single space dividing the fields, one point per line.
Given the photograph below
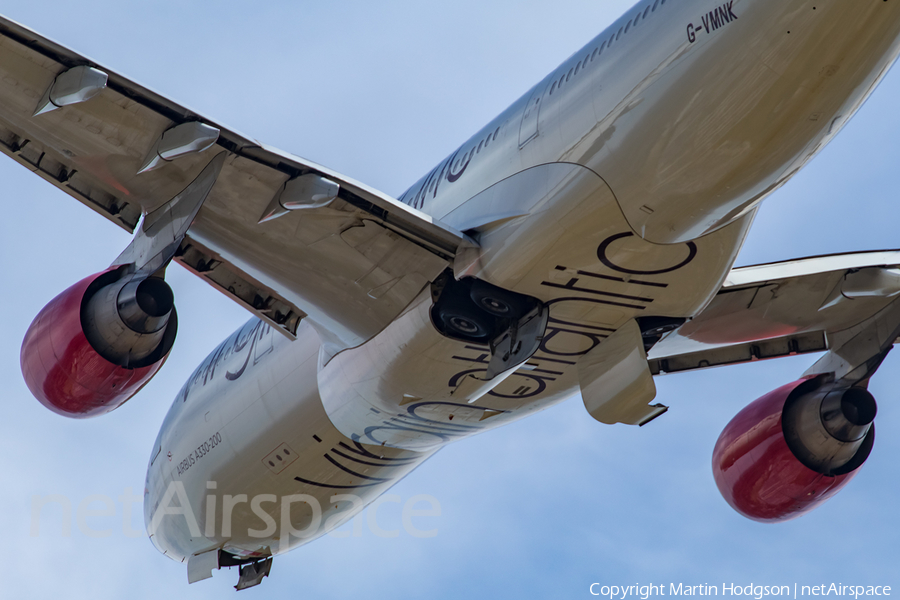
x=542 y=508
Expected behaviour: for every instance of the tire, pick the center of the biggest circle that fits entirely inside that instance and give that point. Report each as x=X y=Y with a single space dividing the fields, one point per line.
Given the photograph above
x=657 y=326
x=462 y=324
x=498 y=302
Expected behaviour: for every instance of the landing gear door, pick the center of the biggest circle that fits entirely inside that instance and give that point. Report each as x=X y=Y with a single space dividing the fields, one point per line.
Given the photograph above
x=529 y=128
x=616 y=384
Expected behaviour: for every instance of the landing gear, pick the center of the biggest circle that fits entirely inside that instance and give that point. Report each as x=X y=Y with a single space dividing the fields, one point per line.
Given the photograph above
x=499 y=302
x=653 y=328
x=460 y=322
x=251 y=570
x=251 y=574
x=475 y=311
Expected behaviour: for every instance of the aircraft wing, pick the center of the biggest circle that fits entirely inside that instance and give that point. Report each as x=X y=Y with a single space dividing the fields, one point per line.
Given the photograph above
x=350 y=263
x=781 y=309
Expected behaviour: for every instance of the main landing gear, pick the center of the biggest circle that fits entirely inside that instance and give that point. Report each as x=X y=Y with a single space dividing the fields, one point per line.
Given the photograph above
x=475 y=311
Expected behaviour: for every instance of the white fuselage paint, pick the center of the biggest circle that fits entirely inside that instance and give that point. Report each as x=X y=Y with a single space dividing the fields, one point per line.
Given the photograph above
x=622 y=185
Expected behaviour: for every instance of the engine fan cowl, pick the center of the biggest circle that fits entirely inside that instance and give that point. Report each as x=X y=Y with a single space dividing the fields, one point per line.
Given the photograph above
x=757 y=471
x=63 y=369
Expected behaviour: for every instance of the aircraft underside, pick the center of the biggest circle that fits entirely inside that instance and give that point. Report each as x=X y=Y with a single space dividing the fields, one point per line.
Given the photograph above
x=583 y=242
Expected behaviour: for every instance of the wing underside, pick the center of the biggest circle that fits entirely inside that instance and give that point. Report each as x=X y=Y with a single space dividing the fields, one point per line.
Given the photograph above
x=782 y=309
x=350 y=265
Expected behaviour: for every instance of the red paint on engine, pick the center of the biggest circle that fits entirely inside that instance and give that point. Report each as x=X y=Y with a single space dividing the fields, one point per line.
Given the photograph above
x=64 y=372
x=758 y=474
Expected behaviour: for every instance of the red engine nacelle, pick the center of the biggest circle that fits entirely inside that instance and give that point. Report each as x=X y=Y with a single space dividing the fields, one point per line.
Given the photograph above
x=794 y=448
x=98 y=343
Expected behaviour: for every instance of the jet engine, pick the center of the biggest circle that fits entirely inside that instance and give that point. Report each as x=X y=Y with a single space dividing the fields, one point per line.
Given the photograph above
x=794 y=448
x=99 y=342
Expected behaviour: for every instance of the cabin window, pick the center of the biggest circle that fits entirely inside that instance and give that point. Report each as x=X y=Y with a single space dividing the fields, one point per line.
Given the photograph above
x=496 y=133
x=479 y=147
x=552 y=87
x=654 y=6
x=578 y=66
x=569 y=74
x=627 y=26
x=646 y=11
x=618 y=35
x=594 y=55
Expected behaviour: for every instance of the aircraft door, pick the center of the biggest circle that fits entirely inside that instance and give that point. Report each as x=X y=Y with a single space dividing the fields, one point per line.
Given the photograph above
x=529 y=127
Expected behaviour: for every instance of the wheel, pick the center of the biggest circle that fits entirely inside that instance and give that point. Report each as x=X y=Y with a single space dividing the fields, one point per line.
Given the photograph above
x=657 y=326
x=458 y=323
x=497 y=301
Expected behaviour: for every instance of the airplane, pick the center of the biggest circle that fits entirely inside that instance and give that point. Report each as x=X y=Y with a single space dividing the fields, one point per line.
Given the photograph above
x=849 y=279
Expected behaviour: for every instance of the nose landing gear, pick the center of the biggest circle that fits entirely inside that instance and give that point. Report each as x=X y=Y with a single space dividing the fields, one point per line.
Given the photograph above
x=251 y=574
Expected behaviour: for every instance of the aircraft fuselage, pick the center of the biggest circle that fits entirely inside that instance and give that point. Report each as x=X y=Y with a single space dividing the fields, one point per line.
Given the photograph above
x=622 y=185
